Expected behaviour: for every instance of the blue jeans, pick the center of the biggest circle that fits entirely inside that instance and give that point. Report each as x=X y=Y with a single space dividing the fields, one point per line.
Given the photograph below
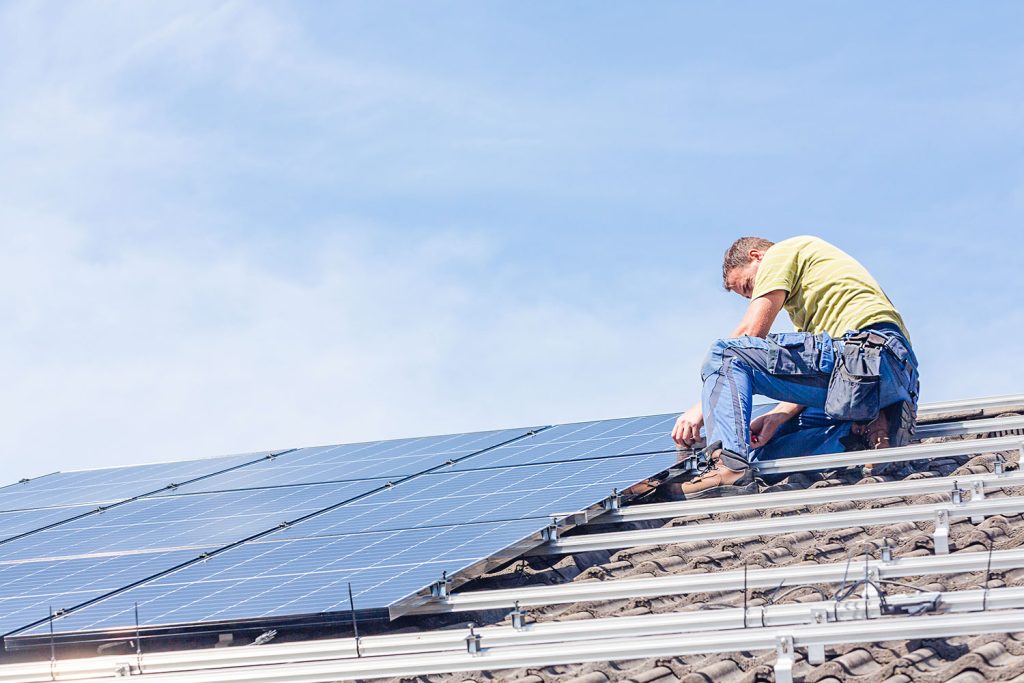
x=794 y=367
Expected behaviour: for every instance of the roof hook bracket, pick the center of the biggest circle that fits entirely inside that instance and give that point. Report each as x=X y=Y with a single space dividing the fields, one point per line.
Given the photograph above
x=977 y=494
x=784 y=659
x=941 y=535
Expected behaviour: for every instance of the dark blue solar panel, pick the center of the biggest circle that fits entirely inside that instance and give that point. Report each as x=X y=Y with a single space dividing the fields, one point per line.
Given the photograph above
x=452 y=521
x=303 y=576
x=596 y=439
x=111 y=484
x=486 y=495
x=389 y=544
x=389 y=459
x=29 y=589
x=21 y=521
x=174 y=521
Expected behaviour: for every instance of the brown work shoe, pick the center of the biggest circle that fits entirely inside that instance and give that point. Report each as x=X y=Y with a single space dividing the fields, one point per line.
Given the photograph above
x=728 y=475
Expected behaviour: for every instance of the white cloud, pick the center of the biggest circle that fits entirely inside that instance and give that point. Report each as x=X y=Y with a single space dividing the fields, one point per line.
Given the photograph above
x=158 y=355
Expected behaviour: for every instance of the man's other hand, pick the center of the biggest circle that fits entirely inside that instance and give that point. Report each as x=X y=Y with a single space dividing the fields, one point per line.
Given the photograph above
x=763 y=428
x=687 y=429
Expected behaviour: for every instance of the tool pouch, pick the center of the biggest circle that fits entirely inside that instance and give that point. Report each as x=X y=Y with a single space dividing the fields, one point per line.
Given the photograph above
x=854 y=388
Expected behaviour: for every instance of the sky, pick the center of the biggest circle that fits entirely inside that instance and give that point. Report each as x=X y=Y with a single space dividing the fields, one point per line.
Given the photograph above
x=240 y=226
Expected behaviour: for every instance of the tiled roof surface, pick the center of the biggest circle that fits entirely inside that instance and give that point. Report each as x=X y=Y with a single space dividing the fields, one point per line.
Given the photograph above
x=962 y=659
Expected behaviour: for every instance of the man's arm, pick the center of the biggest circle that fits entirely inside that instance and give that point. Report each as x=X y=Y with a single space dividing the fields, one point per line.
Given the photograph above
x=756 y=322
x=761 y=314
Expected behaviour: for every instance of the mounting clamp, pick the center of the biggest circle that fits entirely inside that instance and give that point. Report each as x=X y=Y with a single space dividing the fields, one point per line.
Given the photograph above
x=613 y=502
x=473 y=641
x=518 y=617
x=441 y=588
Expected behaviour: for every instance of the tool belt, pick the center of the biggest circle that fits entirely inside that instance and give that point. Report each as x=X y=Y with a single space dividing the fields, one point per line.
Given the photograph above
x=854 y=389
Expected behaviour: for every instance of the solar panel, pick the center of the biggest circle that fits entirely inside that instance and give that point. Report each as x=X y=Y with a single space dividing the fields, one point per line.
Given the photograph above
x=111 y=484
x=389 y=517
x=494 y=494
x=22 y=521
x=343 y=462
x=300 y=577
x=390 y=544
x=596 y=439
x=28 y=590
x=213 y=519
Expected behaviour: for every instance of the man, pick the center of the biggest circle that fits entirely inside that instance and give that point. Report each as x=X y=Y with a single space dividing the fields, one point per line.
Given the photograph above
x=849 y=372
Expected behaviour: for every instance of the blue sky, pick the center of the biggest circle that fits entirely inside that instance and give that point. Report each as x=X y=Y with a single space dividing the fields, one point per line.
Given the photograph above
x=240 y=226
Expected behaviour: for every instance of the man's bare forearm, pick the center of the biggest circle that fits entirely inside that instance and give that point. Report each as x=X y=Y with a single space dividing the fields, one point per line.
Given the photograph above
x=787 y=409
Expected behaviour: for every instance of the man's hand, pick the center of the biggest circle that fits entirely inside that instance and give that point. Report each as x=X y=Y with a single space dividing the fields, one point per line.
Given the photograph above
x=763 y=428
x=687 y=429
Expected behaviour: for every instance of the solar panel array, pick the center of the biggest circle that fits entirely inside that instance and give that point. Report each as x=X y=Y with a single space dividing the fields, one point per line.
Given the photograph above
x=273 y=535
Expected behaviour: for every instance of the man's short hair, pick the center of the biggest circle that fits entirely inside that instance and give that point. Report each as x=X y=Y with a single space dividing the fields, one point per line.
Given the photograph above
x=739 y=254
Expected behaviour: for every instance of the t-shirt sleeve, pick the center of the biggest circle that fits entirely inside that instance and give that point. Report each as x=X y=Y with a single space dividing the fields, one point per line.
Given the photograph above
x=778 y=270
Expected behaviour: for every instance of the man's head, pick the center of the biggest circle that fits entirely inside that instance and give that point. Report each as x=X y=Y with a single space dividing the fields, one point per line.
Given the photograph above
x=739 y=268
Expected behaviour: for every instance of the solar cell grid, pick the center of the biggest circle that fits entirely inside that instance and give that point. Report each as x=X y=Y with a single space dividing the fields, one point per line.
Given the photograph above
x=178 y=521
x=110 y=484
x=29 y=589
x=303 y=576
x=596 y=439
x=22 y=521
x=496 y=494
x=344 y=462
x=390 y=544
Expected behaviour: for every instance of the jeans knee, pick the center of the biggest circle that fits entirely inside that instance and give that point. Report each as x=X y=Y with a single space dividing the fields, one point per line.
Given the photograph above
x=714 y=358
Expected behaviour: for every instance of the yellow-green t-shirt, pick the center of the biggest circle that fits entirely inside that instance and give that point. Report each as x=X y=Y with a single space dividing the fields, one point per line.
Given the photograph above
x=828 y=290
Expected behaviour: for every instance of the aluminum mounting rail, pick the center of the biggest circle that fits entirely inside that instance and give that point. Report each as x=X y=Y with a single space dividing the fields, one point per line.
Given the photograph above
x=456 y=640
x=975 y=484
x=984 y=406
x=966 y=427
x=783 y=639
x=941 y=513
x=722 y=581
x=926 y=451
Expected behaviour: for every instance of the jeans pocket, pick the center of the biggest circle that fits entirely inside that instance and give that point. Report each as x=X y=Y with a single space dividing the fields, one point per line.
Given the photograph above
x=792 y=353
x=854 y=389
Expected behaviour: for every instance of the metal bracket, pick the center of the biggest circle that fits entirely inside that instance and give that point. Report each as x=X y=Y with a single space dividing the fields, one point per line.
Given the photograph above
x=518 y=617
x=941 y=535
x=123 y=670
x=550 y=533
x=473 y=641
x=887 y=549
x=957 y=497
x=977 y=494
x=784 y=659
x=816 y=653
x=613 y=503
x=441 y=589
x=999 y=464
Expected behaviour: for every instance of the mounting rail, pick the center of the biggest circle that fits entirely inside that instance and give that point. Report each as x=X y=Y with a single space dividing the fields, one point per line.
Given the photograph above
x=927 y=451
x=942 y=513
x=505 y=636
x=973 y=483
x=719 y=581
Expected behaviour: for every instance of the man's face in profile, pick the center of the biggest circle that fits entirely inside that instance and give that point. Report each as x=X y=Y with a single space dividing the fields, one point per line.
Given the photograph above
x=741 y=278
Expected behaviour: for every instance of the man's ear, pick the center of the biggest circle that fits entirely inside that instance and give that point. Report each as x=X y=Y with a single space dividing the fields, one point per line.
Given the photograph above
x=755 y=254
